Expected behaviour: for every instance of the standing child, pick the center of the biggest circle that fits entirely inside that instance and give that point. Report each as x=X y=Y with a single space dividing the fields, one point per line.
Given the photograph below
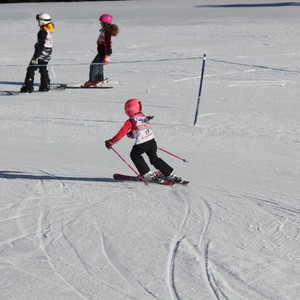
x=139 y=128
x=104 y=49
x=41 y=56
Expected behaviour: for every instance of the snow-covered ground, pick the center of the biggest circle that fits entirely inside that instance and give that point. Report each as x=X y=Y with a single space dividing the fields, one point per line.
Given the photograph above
x=68 y=231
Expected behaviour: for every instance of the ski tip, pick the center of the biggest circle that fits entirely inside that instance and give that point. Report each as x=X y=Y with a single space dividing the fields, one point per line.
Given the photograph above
x=116 y=175
x=185 y=182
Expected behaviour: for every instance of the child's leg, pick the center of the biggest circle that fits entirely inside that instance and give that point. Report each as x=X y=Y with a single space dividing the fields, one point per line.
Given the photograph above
x=96 y=69
x=138 y=160
x=45 y=81
x=29 y=79
x=156 y=161
x=100 y=76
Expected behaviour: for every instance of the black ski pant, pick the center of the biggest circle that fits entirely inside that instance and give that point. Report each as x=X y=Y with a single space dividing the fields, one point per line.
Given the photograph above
x=29 y=79
x=150 y=148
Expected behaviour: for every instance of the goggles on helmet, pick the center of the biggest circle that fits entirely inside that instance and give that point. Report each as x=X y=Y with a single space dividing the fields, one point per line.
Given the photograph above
x=38 y=18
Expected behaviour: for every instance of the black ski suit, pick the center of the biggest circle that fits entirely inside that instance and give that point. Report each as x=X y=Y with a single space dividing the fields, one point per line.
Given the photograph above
x=40 y=59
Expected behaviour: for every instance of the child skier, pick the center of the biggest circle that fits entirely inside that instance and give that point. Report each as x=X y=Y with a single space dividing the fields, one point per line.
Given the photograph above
x=139 y=128
x=41 y=56
x=104 y=49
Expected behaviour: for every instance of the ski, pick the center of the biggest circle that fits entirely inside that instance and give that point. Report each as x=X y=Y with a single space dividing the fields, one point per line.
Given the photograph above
x=9 y=93
x=63 y=86
x=184 y=182
x=179 y=181
x=105 y=85
x=122 y=177
x=13 y=93
x=81 y=86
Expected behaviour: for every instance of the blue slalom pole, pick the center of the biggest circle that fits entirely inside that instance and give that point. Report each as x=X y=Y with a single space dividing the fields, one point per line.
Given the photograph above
x=200 y=89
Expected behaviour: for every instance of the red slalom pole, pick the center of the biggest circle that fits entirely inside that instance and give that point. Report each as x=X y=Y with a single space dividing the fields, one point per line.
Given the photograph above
x=138 y=175
x=183 y=159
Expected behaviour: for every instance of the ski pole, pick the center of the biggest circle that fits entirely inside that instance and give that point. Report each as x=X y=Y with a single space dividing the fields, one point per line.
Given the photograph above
x=183 y=159
x=138 y=175
x=52 y=69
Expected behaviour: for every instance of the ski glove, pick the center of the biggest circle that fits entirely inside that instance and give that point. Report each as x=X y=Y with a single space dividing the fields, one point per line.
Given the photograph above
x=149 y=118
x=109 y=144
x=34 y=61
x=106 y=59
x=130 y=134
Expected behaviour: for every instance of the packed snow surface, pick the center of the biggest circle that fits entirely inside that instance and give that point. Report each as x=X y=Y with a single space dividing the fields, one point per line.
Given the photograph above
x=68 y=231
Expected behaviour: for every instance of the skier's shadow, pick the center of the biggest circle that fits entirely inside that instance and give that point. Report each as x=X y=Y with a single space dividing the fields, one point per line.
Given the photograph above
x=26 y=176
x=11 y=82
x=19 y=83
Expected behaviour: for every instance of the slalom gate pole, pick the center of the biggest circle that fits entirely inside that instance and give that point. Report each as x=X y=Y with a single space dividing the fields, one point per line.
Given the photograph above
x=200 y=89
x=183 y=159
x=129 y=165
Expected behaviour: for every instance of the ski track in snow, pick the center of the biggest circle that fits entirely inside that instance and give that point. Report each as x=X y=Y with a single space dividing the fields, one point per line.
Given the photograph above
x=123 y=272
x=211 y=278
x=49 y=233
x=282 y=215
x=48 y=236
x=176 y=240
x=205 y=76
x=281 y=83
x=35 y=235
x=249 y=83
x=203 y=245
x=192 y=204
x=199 y=251
x=44 y=238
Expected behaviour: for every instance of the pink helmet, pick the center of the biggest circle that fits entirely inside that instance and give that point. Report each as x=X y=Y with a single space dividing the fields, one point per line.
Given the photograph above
x=106 y=18
x=133 y=106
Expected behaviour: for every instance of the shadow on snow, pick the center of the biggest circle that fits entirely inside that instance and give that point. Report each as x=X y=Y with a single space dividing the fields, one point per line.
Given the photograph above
x=22 y=175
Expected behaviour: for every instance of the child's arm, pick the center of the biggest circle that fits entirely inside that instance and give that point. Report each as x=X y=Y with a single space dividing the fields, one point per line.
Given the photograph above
x=128 y=125
x=40 y=43
x=108 y=50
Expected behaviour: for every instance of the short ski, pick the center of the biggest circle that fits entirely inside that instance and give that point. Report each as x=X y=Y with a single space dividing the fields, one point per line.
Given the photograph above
x=162 y=176
x=106 y=85
x=81 y=86
x=122 y=177
x=184 y=182
x=13 y=93
x=136 y=178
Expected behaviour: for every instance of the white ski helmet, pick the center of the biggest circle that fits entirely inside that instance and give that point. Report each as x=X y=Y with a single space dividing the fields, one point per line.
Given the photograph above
x=43 y=19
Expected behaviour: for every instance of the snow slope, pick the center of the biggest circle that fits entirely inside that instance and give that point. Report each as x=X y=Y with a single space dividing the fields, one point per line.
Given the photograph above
x=68 y=231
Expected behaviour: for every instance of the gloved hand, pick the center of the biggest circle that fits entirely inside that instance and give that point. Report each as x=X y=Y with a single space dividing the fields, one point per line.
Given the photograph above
x=34 y=61
x=149 y=118
x=109 y=144
x=106 y=60
x=130 y=134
